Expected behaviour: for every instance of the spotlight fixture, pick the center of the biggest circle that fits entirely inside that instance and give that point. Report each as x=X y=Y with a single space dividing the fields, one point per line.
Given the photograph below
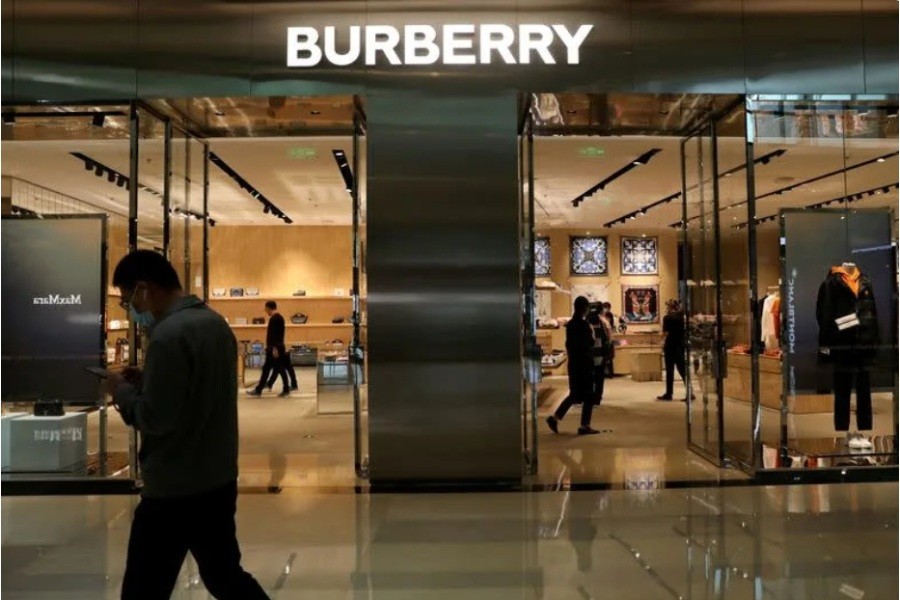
x=110 y=176
x=880 y=159
x=88 y=165
x=268 y=207
x=98 y=119
x=346 y=174
x=121 y=180
x=98 y=170
x=643 y=159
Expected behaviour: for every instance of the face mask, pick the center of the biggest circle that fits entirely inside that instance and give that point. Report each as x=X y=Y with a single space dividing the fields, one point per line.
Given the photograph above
x=141 y=319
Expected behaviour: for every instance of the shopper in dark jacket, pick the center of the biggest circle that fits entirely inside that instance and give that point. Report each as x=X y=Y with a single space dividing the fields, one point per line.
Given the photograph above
x=674 y=347
x=275 y=352
x=184 y=404
x=579 y=348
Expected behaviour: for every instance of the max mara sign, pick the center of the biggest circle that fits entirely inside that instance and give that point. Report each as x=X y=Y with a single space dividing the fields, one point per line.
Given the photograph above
x=463 y=44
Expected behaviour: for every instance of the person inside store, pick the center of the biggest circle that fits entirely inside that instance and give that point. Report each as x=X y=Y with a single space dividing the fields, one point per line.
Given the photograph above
x=602 y=344
x=288 y=369
x=275 y=353
x=610 y=319
x=673 y=346
x=580 y=364
x=184 y=405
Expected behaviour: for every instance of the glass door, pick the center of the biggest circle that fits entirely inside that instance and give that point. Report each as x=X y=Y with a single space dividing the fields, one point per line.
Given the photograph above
x=531 y=351
x=359 y=319
x=702 y=295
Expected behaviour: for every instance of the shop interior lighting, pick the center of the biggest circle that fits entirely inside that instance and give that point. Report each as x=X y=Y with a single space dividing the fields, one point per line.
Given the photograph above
x=98 y=117
x=643 y=210
x=123 y=181
x=340 y=157
x=840 y=200
x=794 y=186
x=641 y=160
x=268 y=206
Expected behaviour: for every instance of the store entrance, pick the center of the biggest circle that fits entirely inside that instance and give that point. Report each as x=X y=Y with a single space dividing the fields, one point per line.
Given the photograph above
x=259 y=204
x=603 y=182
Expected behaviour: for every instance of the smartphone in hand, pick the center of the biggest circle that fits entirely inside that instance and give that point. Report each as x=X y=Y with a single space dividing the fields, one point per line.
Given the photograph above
x=98 y=372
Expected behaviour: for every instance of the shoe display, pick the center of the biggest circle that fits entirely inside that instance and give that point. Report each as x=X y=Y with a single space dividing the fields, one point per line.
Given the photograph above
x=553 y=423
x=587 y=431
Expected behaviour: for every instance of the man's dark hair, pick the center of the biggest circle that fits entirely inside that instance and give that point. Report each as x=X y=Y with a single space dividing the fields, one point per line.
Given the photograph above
x=145 y=265
x=607 y=305
x=581 y=304
x=271 y=304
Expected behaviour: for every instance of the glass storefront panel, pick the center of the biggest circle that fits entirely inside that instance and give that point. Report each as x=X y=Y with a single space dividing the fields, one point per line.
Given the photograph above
x=825 y=226
x=56 y=424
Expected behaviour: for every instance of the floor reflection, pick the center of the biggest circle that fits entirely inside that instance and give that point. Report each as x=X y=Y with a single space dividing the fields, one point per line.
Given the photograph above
x=798 y=542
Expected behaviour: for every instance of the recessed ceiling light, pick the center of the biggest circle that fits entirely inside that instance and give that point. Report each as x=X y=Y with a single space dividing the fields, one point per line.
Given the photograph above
x=315 y=112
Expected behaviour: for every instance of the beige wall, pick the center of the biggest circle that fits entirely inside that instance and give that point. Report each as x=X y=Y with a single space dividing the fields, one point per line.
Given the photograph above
x=667 y=279
x=281 y=259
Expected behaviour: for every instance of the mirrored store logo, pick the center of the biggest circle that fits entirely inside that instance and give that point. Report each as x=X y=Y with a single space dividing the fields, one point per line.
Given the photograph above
x=58 y=299
x=458 y=44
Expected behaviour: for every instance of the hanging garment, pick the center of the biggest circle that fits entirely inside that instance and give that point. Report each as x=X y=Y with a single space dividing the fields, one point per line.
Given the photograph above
x=846 y=314
x=769 y=335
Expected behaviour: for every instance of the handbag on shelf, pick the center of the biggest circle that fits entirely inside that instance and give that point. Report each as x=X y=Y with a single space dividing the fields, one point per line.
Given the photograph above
x=337 y=320
x=259 y=321
x=240 y=320
x=299 y=319
x=236 y=292
x=251 y=291
x=219 y=292
x=49 y=408
x=299 y=293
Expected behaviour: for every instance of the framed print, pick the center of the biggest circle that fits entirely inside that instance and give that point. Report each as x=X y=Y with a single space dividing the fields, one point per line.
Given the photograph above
x=640 y=256
x=640 y=303
x=542 y=257
x=588 y=256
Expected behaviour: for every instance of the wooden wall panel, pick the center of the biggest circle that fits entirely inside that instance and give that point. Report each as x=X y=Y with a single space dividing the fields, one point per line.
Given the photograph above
x=281 y=259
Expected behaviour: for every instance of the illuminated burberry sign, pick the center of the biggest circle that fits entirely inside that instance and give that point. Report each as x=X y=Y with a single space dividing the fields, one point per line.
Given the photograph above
x=464 y=44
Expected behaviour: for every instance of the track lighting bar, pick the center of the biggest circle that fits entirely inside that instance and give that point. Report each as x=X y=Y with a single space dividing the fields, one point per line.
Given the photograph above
x=643 y=211
x=98 y=117
x=870 y=193
x=641 y=160
x=794 y=186
x=268 y=206
x=340 y=157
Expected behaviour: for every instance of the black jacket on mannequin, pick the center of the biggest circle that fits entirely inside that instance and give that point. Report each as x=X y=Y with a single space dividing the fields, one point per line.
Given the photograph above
x=837 y=300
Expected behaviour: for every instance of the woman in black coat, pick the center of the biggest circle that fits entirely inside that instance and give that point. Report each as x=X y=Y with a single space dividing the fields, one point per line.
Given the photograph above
x=579 y=348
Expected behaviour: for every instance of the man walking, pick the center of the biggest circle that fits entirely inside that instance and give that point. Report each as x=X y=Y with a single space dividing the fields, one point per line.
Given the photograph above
x=184 y=404
x=579 y=348
x=275 y=353
x=673 y=347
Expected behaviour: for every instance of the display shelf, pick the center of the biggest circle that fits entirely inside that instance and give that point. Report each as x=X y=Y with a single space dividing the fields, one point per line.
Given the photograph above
x=116 y=329
x=277 y=298
x=292 y=325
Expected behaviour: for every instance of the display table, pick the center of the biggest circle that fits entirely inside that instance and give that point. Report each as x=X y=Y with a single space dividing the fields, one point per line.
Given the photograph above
x=5 y=433
x=738 y=386
x=45 y=444
x=635 y=343
x=646 y=365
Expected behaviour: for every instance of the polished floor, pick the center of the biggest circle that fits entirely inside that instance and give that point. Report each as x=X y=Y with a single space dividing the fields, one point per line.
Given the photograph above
x=305 y=442
x=791 y=542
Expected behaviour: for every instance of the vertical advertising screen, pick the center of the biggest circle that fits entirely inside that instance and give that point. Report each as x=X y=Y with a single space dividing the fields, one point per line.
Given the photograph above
x=53 y=302
x=820 y=332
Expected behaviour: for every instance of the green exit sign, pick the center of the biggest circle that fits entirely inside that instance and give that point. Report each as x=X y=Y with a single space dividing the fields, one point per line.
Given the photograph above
x=592 y=151
x=301 y=152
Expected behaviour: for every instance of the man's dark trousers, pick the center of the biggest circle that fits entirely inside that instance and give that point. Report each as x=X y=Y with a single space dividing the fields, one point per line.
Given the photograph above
x=164 y=530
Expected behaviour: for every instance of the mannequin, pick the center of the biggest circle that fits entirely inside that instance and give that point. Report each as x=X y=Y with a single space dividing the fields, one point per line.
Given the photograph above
x=849 y=340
